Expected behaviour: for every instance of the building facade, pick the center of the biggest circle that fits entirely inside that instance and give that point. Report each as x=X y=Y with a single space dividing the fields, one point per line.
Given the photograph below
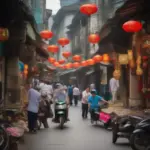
x=68 y=2
x=61 y=21
x=39 y=10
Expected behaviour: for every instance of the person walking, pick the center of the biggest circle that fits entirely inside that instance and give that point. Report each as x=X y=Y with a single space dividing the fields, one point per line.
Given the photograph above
x=114 y=86
x=70 y=93
x=76 y=94
x=44 y=109
x=33 y=107
x=85 y=96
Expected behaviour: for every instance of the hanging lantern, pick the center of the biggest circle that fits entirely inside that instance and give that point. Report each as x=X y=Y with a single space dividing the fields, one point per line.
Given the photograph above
x=76 y=58
x=84 y=63
x=132 y=26
x=144 y=58
x=76 y=65
x=61 y=66
x=88 y=9
x=62 y=61
x=106 y=58
x=130 y=55
x=139 y=71
x=46 y=34
x=4 y=34
x=56 y=64
x=145 y=65
x=94 y=38
x=63 y=41
x=51 y=60
x=98 y=58
x=26 y=66
x=53 y=48
x=69 y=65
x=90 y=62
x=25 y=72
x=123 y=59
x=138 y=60
x=66 y=54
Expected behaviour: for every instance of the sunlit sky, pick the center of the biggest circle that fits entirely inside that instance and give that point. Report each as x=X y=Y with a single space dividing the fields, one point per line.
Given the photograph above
x=53 y=4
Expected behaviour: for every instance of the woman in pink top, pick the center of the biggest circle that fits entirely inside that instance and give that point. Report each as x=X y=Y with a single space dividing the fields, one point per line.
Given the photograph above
x=85 y=95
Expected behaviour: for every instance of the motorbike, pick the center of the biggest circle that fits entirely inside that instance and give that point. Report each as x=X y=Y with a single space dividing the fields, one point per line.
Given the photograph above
x=97 y=115
x=122 y=127
x=9 y=136
x=4 y=139
x=61 y=113
x=140 y=138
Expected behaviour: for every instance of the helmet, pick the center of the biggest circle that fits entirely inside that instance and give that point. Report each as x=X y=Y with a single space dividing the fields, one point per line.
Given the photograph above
x=58 y=85
x=93 y=91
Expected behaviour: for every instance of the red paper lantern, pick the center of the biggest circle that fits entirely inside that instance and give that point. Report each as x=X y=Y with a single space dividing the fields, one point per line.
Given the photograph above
x=51 y=59
x=26 y=67
x=53 y=48
x=46 y=34
x=144 y=58
x=132 y=26
x=25 y=72
x=66 y=54
x=76 y=65
x=77 y=58
x=62 y=61
x=90 y=62
x=145 y=65
x=84 y=63
x=106 y=58
x=63 y=41
x=94 y=38
x=68 y=66
x=88 y=9
x=56 y=64
x=98 y=58
x=4 y=34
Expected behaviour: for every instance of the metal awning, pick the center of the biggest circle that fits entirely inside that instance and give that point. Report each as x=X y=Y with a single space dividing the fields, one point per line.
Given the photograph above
x=89 y=72
x=66 y=72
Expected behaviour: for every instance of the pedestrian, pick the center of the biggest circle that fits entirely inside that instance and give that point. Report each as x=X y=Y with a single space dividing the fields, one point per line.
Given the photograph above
x=113 y=86
x=60 y=94
x=85 y=96
x=70 y=93
x=33 y=107
x=44 y=110
x=76 y=94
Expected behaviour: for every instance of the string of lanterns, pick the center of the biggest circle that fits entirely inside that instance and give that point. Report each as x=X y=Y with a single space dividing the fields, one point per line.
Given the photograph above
x=130 y=26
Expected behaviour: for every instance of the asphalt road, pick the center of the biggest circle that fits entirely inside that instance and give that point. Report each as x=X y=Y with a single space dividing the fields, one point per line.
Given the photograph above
x=78 y=134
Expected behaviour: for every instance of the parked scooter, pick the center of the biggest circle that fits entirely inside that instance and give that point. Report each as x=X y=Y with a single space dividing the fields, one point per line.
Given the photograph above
x=61 y=113
x=122 y=127
x=100 y=116
x=9 y=136
x=140 y=139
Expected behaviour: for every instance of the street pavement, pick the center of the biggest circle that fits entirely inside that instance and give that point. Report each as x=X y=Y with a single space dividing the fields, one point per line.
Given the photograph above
x=78 y=134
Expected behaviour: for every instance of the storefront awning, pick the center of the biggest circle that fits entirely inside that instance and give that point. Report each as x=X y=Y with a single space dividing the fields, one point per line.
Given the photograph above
x=89 y=72
x=41 y=47
x=66 y=72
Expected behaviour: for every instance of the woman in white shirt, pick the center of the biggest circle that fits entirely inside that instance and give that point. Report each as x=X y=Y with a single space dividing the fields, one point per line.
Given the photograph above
x=85 y=96
x=76 y=94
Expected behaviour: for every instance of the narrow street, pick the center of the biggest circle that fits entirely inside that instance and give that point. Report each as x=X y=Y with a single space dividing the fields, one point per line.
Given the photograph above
x=78 y=134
